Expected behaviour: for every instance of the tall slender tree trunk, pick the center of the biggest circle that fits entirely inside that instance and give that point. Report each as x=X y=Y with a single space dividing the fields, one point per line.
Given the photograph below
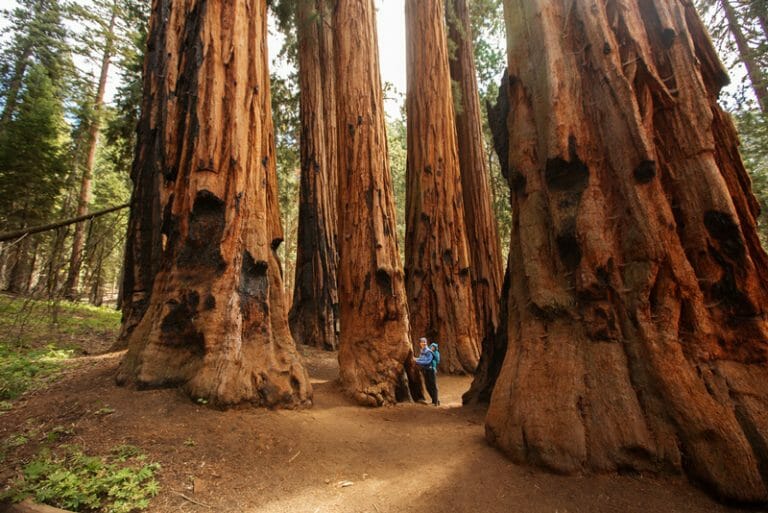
x=374 y=345
x=313 y=317
x=76 y=260
x=437 y=259
x=216 y=322
x=482 y=234
x=746 y=55
x=11 y=97
x=636 y=309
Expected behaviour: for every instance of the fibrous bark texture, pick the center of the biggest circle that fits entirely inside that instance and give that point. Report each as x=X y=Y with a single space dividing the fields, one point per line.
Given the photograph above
x=374 y=343
x=216 y=322
x=143 y=241
x=637 y=336
x=494 y=345
x=437 y=259
x=486 y=270
x=314 y=312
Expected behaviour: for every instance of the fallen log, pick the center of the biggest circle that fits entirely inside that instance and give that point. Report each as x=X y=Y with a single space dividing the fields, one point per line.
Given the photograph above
x=29 y=231
x=28 y=506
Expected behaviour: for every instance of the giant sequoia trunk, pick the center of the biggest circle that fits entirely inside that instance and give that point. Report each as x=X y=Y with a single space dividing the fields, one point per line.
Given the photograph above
x=637 y=335
x=483 y=236
x=374 y=345
x=315 y=298
x=437 y=259
x=143 y=241
x=216 y=321
x=494 y=345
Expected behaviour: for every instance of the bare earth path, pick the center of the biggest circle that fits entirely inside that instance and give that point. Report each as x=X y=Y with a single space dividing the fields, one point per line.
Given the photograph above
x=407 y=458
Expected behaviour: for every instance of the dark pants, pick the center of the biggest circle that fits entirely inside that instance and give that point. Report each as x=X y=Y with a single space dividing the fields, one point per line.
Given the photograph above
x=430 y=380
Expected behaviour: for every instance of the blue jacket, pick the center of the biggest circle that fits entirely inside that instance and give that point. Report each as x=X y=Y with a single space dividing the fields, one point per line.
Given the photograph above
x=425 y=358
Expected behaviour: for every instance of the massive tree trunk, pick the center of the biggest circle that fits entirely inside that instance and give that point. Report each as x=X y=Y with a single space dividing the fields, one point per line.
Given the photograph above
x=494 y=346
x=482 y=234
x=746 y=55
x=143 y=241
x=374 y=344
x=76 y=260
x=637 y=335
x=315 y=297
x=216 y=322
x=437 y=259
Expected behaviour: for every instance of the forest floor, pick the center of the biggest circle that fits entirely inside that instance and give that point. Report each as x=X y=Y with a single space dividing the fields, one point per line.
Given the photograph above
x=334 y=457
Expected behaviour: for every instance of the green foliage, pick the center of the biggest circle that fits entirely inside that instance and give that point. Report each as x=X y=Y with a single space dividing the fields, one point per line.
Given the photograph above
x=489 y=43
x=34 y=323
x=753 y=127
x=28 y=328
x=285 y=114
x=398 y=161
x=68 y=478
x=32 y=157
x=37 y=36
x=21 y=370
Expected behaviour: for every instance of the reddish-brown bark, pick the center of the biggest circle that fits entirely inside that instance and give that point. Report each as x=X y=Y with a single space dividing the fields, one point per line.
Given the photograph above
x=76 y=260
x=314 y=314
x=216 y=322
x=482 y=234
x=143 y=244
x=494 y=346
x=437 y=259
x=637 y=335
x=374 y=345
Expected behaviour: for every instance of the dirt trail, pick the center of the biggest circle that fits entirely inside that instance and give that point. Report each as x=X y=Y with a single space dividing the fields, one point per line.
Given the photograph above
x=406 y=458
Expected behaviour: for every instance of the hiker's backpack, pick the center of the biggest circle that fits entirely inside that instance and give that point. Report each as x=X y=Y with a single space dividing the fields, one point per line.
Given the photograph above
x=435 y=358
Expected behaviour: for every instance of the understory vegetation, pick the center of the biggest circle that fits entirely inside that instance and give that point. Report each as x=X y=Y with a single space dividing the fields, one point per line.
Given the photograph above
x=38 y=337
x=67 y=477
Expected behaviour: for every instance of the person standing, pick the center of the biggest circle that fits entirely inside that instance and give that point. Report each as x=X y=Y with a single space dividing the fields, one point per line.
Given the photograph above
x=425 y=361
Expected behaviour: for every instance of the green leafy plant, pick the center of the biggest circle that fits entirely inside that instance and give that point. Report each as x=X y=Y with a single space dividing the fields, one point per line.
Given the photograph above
x=20 y=371
x=68 y=478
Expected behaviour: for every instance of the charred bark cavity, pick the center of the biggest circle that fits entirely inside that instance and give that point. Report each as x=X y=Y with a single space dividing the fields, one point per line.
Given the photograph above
x=206 y=227
x=384 y=280
x=497 y=120
x=732 y=298
x=178 y=328
x=668 y=36
x=253 y=279
x=517 y=181
x=645 y=172
x=568 y=249
x=566 y=176
x=726 y=232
